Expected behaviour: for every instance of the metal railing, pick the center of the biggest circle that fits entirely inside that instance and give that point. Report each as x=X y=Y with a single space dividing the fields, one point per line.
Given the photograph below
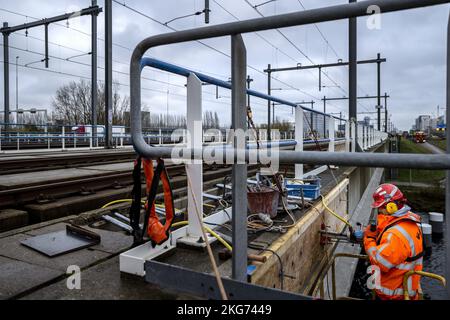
x=238 y=88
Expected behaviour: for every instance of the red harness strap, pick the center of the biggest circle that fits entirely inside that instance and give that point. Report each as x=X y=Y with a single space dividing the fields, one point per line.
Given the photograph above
x=157 y=232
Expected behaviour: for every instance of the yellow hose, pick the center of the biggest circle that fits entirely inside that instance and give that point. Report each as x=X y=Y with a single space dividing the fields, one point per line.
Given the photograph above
x=215 y=235
x=118 y=201
x=334 y=213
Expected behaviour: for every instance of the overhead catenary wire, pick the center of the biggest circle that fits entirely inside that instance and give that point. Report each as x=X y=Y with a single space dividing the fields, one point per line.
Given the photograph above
x=212 y=48
x=67 y=74
x=296 y=47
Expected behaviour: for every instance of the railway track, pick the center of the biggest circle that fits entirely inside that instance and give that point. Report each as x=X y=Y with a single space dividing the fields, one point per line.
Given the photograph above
x=52 y=191
x=10 y=164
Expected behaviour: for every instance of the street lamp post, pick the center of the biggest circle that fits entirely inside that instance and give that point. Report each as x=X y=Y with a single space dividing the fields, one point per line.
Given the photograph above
x=17 y=88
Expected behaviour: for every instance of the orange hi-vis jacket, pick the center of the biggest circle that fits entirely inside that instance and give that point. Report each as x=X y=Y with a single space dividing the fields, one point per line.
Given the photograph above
x=397 y=250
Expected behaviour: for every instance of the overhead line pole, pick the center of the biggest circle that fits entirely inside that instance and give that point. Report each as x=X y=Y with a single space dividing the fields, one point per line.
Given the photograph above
x=94 y=92
x=269 y=92
x=353 y=65
x=108 y=74
x=7 y=30
x=379 y=92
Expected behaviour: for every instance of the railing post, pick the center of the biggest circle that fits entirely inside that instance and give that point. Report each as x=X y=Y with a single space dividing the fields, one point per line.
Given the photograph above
x=447 y=173
x=353 y=129
x=347 y=136
x=48 y=137
x=331 y=127
x=63 y=138
x=160 y=137
x=299 y=114
x=364 y=137
x=194 y=169
x=239 y=173
x=18 y=141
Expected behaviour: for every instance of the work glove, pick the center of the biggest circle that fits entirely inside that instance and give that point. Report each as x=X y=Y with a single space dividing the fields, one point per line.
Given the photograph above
x=370 y=234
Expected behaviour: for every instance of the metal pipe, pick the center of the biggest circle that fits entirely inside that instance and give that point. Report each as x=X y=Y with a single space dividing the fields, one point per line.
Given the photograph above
x=447 y=173
x=362 y=97
x=108 y=75
x=327 y=65
x=63 y=17
x=353 y=67
x=379 y=93
x=385 y=112
x=269 y=92
x=239 y=172
x=17 y=88
x=332 y=13
x=165 y=66
x=6 y=77
x=46 y=46
x=94 y=77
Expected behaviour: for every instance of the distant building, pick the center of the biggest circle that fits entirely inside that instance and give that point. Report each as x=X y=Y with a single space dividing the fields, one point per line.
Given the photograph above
x=423 y=123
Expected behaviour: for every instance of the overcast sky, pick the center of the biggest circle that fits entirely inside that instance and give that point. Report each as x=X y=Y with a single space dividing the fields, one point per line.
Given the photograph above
x=413 y=42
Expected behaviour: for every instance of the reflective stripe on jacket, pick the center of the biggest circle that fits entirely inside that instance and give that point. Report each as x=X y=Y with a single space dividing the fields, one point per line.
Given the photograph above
x=400 y=240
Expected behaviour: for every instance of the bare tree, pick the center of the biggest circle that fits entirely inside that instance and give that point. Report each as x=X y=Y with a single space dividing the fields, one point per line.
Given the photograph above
x=72 y=104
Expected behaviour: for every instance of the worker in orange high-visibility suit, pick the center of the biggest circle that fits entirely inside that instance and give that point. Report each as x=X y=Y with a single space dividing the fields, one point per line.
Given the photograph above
x=396 y=246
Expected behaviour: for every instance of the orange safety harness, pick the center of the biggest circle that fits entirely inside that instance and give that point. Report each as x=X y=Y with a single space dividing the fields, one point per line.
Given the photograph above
x=156 y=231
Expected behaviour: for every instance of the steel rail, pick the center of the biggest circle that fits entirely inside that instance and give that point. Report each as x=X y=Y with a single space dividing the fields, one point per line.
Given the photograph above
x=332 y=13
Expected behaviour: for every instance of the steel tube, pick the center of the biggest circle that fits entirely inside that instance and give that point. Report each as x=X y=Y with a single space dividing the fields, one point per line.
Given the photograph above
x=165 y=66
x=46 y=46
x=6 y=77
x=108 y=75
x=327 y=65
x=94 y=99
x=338 y=12
x=83 y=12
x=385 y=112
x=239 y=172
x=352 y=70
x=379 y=93
x=447 y=173
x=269 y=89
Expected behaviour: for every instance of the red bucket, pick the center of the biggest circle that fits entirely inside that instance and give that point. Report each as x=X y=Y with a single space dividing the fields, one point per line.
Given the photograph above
x=264 y=200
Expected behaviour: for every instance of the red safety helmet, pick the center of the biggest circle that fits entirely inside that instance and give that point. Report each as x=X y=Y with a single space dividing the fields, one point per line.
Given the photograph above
x=386 y=193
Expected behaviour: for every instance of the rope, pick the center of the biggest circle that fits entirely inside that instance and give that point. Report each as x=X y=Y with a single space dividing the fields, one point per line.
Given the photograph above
x=208 y=247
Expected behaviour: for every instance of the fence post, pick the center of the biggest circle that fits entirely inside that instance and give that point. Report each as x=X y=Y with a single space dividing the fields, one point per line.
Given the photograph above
x=299 y=114
x=347 y=136
x=353 y=129
x=331 y=127
x=63 y=138
x=194 y=135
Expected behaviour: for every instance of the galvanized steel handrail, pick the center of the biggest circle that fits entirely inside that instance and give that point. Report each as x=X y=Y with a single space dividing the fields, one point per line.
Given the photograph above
x=332 y=13
x=165 y=66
